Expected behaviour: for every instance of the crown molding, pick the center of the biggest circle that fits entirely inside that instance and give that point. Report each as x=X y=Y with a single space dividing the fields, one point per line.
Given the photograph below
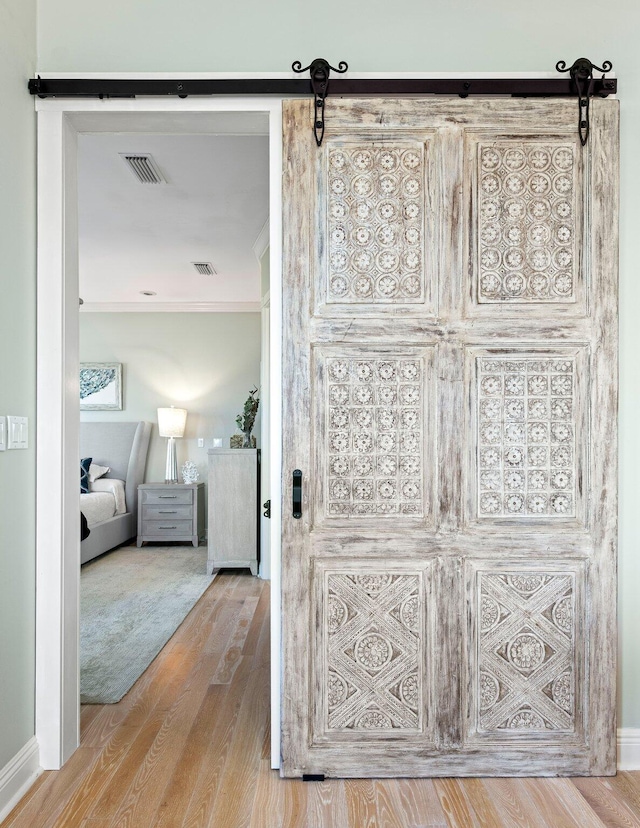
x=262 y=242
x=170 y=307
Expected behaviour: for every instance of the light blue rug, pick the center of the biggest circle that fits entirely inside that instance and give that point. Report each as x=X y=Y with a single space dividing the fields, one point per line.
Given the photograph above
x=131 y=602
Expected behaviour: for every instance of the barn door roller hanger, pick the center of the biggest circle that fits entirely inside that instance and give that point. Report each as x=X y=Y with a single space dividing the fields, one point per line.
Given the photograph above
x=582 y=75
x=319 y=70
x=582 y=83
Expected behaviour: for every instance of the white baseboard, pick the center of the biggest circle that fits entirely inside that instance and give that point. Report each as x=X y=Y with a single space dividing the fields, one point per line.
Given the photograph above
x=18 y=775
x=629 y=748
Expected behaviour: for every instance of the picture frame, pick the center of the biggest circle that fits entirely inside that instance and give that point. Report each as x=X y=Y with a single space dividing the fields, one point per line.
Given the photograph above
x=101 y=386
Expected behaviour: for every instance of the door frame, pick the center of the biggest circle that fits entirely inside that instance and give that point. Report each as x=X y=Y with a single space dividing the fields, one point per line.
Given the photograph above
x=57 y=708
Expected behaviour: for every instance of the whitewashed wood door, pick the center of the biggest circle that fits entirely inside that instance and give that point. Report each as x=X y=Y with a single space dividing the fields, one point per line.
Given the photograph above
x=450 y=375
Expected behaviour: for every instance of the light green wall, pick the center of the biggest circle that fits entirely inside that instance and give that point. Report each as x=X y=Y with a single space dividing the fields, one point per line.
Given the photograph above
x=204 y=362
x=371 y=35
x=17 y=375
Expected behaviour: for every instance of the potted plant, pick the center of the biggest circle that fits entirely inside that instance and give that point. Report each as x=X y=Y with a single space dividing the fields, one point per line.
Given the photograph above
x=246 y=420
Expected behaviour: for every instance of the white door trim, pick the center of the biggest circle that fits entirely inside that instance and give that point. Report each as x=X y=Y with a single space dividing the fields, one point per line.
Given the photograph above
x=57 y=512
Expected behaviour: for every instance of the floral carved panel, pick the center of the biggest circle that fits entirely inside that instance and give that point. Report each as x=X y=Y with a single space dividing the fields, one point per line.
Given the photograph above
x=526 y=426
x=526 y=677
x=527 y=226
x=374 y=626
x=375 y=223
x=374 y=425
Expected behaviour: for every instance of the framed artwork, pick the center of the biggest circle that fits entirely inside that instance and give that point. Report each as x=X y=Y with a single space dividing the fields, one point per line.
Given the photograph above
x=101 y=386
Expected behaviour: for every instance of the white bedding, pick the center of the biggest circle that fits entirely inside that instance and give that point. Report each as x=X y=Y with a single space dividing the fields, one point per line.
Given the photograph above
x=105 y=500
x=115 y=487
x=97 y=506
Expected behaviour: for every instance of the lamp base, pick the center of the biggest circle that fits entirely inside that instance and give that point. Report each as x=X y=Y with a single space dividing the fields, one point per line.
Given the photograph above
x=171 y=468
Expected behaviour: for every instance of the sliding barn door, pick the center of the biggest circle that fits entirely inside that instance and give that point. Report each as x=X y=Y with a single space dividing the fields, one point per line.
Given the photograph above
x=450 y=399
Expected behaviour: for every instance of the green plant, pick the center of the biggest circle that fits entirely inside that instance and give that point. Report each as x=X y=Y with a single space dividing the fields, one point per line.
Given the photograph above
x=246 y=420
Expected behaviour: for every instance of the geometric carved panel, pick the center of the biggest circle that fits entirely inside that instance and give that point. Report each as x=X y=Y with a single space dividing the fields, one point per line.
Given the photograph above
x=527 y=227
x=375 y=228
x=374 y=436
x=526 y=675
x=526 y=423
x=372 y=674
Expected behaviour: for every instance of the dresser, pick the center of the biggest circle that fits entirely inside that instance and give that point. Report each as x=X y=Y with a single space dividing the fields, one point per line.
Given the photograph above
x=171 y=512
x=233 y=509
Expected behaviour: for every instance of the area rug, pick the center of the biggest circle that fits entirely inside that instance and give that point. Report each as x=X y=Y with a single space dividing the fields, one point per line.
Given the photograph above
x=131 y=602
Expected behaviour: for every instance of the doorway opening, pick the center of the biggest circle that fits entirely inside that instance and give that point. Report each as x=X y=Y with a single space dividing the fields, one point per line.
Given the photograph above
x=63 y=129
x=173 y=274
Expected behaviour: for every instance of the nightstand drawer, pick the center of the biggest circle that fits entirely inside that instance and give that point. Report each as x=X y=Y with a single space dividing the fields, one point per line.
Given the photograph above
x=167 y=498
x=168 y=528
x=167 y=511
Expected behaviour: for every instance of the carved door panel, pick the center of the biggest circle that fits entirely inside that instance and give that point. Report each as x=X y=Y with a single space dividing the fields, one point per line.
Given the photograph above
x=450 y=397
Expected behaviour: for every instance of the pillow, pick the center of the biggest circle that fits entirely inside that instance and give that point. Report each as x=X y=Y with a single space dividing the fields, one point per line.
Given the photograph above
x=96 y=471
x=84 y=474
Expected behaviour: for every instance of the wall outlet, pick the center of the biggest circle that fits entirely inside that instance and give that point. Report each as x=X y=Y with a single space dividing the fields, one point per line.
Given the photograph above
x=200 y=442
x=17 y=432
x=3 y=433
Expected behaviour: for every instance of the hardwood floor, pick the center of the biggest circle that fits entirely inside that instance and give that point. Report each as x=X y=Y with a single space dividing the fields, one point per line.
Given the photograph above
x=188 y=747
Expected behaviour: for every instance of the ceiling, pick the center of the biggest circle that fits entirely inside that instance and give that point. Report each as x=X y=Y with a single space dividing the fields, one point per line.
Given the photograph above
x=137 y=237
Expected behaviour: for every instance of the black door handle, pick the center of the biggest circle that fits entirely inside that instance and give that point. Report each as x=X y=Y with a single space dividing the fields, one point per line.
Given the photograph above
x=297 y=493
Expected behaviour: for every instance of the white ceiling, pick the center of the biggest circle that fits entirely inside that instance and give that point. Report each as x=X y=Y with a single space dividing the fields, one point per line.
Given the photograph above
x=143 y=237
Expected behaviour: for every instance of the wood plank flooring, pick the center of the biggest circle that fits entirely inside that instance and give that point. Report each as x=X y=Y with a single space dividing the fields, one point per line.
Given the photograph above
x=188 y=747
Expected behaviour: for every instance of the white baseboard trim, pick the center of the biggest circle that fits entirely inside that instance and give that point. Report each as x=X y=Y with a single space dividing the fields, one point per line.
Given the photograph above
x=18 y=775
x=629 y=748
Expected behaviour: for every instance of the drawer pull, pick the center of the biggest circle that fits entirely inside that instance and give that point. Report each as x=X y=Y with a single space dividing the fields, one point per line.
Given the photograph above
x=167 y=497
x=167 y=527
x=167 y=511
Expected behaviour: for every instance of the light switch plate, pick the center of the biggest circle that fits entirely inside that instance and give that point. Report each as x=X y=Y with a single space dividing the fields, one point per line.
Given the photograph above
x=17 y=432
x=3 y=433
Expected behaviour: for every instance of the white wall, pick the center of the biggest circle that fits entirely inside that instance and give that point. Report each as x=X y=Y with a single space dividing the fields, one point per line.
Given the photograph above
x=17 y=376
x=204 y=362
x=411 y=35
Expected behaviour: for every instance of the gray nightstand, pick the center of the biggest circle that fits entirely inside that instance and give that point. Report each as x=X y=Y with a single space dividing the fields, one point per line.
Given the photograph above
x=170 y=512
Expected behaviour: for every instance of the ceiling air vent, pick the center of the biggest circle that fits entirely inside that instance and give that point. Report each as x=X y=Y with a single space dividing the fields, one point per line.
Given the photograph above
x=143 y=167
x=204 y=268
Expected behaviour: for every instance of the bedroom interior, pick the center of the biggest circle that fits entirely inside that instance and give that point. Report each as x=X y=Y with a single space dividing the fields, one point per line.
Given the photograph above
x=189 y=343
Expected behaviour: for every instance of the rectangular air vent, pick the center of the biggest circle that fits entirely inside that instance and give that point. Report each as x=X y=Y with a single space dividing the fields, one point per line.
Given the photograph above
x=143 y=167
x=204 y=268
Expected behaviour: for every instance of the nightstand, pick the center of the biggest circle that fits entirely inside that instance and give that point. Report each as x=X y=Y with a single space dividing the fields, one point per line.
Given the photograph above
x=170 y=512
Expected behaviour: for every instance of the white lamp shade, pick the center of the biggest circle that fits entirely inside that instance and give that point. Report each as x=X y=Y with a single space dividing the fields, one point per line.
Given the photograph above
x=171 y=421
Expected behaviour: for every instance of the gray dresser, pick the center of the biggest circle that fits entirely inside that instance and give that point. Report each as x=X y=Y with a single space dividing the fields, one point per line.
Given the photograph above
x=170 y=512
x=233 y=509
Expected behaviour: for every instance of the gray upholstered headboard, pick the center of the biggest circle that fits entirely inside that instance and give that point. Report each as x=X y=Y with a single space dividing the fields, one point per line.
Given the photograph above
x=121 y=446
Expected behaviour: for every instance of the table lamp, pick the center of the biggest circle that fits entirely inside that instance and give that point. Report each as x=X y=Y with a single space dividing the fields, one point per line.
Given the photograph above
x=171 y=423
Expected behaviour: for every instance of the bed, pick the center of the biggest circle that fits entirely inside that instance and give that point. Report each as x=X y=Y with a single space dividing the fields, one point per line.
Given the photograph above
x=123 y=448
